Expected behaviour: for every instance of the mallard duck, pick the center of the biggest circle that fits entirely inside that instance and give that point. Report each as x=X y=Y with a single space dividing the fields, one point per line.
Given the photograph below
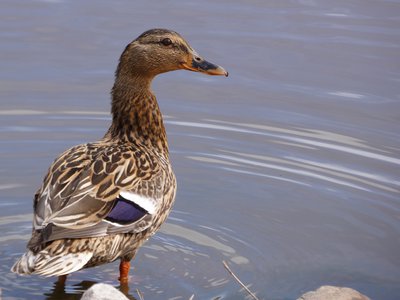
x=101 y=201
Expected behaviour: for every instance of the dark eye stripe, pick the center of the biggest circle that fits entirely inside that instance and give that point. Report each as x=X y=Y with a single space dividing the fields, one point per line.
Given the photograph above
x=163 y=42
x=183 y=48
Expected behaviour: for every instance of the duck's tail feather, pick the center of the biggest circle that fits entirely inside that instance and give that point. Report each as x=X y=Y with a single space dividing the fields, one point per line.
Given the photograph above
x=24 y=265
x=45 y=264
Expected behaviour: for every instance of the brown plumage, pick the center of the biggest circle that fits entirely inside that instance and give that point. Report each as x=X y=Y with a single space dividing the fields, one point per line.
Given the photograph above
x=100 y=201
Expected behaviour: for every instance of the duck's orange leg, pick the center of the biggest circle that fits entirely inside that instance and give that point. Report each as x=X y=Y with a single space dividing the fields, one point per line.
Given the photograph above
x=62 y=279
x=124 y=267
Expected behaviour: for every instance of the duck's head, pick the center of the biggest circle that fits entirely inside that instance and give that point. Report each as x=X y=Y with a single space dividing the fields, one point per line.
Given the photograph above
x=160 y=50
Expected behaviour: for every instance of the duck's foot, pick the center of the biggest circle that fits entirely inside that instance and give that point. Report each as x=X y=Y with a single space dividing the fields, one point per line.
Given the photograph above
x=124 y=267
x=124 y=288
x=62 y=279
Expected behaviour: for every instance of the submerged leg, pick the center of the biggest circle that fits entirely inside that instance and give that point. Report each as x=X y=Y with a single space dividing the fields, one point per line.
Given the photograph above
x=62 y=279
x=124 y=267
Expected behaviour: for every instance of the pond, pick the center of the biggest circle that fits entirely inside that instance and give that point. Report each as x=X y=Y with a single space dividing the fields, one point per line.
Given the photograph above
x=288 y=169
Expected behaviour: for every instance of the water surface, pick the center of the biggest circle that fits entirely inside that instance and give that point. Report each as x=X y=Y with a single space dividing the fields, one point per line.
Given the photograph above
x=288 y=169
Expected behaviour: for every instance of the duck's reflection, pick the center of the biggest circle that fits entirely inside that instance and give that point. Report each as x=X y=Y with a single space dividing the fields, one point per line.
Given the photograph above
x=64 y=291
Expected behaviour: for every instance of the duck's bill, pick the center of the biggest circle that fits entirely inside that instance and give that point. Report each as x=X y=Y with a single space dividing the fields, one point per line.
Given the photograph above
x=198 y=64
x=208 y=68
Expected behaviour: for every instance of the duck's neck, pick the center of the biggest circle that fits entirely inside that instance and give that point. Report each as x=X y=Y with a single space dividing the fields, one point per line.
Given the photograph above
x=136 y=116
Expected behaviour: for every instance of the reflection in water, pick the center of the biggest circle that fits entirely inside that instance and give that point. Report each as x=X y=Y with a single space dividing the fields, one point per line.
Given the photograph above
x=203 y=240
x=330 y=146
x=15 y=219
x=332 y=173
x=73 y=114
x=347 y=95
x=289 y=169
x=10 y=186
x=59 y=291
x=75 y=291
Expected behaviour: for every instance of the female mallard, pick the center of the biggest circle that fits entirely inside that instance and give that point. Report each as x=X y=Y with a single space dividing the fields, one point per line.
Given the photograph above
x=100 y=201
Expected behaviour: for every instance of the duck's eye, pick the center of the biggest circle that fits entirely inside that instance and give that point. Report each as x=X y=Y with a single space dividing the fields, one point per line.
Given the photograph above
x=166 y=42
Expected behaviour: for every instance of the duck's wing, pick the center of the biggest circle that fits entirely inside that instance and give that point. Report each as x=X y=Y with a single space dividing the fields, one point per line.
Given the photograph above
x=93 y=190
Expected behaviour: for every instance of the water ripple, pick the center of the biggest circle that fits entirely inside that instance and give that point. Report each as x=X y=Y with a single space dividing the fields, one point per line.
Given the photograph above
x=296 y=139
x=306 y=165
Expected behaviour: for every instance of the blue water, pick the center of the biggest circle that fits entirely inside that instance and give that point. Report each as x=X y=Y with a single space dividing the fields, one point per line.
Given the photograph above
x=288 y=169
